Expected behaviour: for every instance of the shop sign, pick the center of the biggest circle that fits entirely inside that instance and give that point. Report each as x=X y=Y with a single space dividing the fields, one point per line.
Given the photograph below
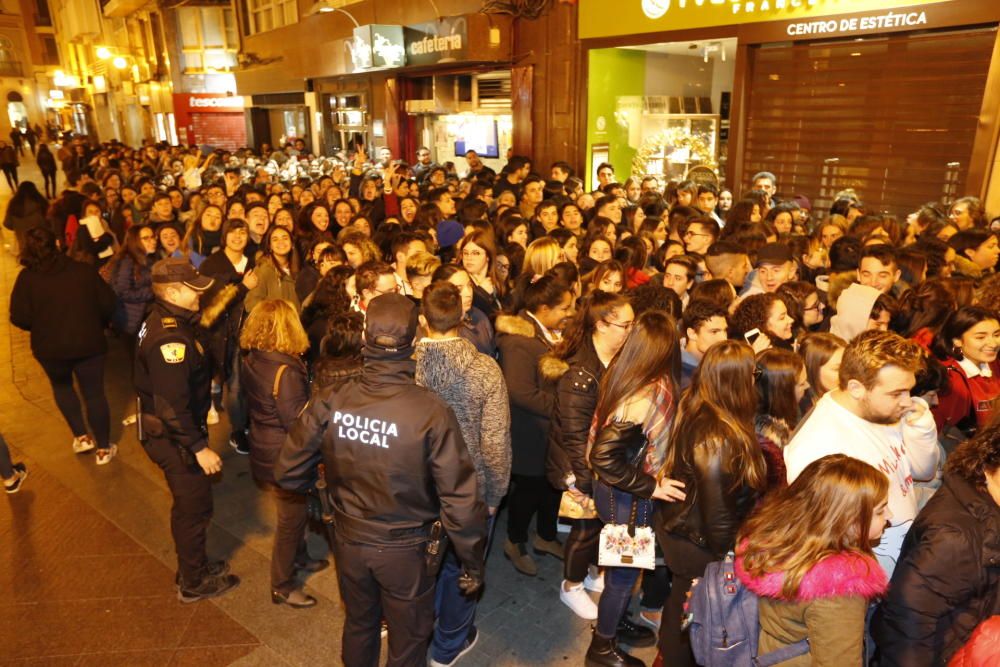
x=600 y=18
x=445 y=40
x=377 y=47
x=882 y=21
x=202 y=103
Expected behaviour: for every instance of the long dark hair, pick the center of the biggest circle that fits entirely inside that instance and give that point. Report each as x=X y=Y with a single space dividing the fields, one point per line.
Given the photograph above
x=955 y=326
x=650 y=353
x=293 y=260
x=777 y=374
x=132 y=247
x=926 y=306
x=721 y=404
x=27 y=192
x=39 y=249
x=594 y=308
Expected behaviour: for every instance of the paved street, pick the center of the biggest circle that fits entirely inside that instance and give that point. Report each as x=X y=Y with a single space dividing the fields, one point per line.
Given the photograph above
x=86 y=561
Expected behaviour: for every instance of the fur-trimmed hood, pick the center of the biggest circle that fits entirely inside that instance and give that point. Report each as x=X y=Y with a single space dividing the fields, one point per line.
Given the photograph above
x=774 y=429
x=839 y=575
x=213 y=310
x=966 y=267
x=552 y=367
x=515 y=325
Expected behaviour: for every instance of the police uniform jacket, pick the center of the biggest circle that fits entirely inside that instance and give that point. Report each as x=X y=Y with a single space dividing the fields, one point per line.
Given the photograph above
x=173 y=377
x=395 y=461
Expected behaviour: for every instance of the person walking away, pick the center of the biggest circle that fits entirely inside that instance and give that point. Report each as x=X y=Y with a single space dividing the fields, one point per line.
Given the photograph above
x=25 y=211
x=17 y=140
x=172 y=377
x=12 y=474
x=631 y=425
x=47 y=165
x=472 y=384
x=277 y=388
x=9 y=164
x=382 y=426
x=31 y=137
x=66 y=306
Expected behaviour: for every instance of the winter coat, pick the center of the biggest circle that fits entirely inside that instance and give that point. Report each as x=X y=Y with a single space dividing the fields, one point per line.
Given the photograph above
x=32 y=216
x=717 y=502
x=983 y=648
x=273 y=405
x=472 y=384
x=969 y=403
x=617 y=458
x=272 y=283
x=947 y=579
x=66 y=306
x=829 y=609
x=773 y=434
x=577 y=380
x=135 y=294
x=46 y=162
x=222 y=305
x=532 y=398
x=332 y=373
x=476 y=329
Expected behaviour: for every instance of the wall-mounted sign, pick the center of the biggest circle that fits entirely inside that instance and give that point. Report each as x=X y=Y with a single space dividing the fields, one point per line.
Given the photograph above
x=377 y=47
x=599 y=18
x=882 y=21
x=445 y=40
x=207 y=102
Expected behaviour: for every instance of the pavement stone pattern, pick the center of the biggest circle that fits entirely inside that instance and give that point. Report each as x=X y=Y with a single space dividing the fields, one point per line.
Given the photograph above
x=87 y=562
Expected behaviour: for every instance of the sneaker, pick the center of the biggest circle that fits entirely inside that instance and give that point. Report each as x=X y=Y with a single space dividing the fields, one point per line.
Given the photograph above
x=13 y=485
x=209 y=587
x=238 y=441
x=104 y=456
x=213 y=416
x=576 y=598
x=594 y=584
x=520 y=558
x=551 y=547
x=470 y=642
x=83 y=444
x=650 y=618
x=214 y=568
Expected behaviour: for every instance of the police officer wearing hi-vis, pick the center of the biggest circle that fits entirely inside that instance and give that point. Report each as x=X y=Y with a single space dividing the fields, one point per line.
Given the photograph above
x=173 y=382
x=395 y=464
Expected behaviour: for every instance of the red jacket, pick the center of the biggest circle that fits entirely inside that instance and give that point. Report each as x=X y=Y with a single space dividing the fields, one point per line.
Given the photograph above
x=967 y=396
x=983 y=647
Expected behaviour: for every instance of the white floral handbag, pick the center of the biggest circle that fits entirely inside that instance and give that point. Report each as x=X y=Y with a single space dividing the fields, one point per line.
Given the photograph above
x=625 y=544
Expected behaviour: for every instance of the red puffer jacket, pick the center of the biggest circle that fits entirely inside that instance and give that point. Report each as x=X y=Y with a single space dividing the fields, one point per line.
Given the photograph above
x=983 y=647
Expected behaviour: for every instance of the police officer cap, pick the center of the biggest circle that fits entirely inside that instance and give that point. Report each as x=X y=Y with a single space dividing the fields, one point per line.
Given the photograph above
x=390 y=323
x=774 y=253
x=179 y=270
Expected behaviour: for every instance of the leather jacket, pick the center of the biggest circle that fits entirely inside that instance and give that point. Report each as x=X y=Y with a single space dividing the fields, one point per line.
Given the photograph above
x=617 y=458
x=717 y=499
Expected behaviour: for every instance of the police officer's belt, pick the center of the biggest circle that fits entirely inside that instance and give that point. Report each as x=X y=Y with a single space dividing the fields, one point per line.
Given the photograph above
x=375 y=532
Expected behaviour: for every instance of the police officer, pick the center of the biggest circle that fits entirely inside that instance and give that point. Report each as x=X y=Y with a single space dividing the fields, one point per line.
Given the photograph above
x=395 y=463
x=173 y=381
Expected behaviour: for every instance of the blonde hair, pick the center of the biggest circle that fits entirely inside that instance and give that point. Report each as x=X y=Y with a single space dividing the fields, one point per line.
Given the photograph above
x=422 y=264
x=831 y=504
x=274 y=326
x=541 y=255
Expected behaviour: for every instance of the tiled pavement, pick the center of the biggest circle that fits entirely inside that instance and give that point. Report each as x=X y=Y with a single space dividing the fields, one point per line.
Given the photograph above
x=86 y=561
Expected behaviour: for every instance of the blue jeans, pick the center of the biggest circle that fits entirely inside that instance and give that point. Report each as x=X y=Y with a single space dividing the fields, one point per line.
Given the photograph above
x=618 y=581
x=455 y=611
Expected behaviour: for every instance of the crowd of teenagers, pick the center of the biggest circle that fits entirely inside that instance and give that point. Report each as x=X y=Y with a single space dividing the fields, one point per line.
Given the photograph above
x=813 y=390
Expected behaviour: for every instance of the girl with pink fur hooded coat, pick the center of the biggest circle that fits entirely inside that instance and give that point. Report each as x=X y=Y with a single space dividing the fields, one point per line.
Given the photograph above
x=807 y=554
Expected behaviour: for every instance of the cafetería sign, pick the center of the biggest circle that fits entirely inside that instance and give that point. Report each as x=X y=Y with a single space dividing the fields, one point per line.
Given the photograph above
x=442 y=41
x=601 y=18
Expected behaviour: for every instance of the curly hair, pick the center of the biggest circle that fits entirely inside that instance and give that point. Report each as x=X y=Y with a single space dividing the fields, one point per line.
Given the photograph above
x=274 y=326
x=974 y=458
x=753 y=313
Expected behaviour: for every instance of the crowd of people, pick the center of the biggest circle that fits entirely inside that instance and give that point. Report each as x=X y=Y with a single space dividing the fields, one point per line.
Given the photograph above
x=814 y=390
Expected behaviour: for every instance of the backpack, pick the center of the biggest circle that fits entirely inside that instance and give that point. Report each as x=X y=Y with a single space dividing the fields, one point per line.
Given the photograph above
x=724 y=624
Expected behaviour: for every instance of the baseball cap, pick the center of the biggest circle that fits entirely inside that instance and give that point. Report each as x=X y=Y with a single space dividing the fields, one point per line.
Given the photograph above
x=390 y=323
x=179 y=270
x=774 y=253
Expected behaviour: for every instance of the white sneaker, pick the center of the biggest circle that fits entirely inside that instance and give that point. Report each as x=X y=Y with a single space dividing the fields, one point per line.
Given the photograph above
x=131 y=419
x=104 y=456
x=83 y=444
x=213 y=416
x=594 y=584
x=576 y=598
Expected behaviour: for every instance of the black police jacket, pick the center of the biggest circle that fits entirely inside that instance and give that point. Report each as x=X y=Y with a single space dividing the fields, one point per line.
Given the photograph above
x=173 y=377
x=395 y=461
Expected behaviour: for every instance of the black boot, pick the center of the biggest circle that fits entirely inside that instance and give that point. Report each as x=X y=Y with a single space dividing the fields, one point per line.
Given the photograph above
x=633 y=634
x=605 y=653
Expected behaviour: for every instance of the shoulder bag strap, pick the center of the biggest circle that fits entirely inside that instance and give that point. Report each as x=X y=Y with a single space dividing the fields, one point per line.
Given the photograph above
x=277 y=380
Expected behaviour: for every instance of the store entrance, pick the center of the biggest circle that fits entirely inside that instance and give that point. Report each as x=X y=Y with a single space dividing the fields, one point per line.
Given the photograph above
x=661 y=109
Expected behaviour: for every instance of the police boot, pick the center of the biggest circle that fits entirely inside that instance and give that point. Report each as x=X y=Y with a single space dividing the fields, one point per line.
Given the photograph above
x=605 y=653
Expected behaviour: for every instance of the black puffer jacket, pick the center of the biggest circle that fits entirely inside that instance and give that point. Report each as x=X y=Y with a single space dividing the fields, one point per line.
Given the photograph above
x=947 y=579
x=577 y=381
x=617 y=459
x=717 y=500
x=532 y=397
x=66 y=306
x=272 y=413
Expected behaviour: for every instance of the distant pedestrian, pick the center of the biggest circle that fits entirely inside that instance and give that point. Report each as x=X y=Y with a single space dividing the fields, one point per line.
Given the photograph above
x=25 y=211
x=17 y=139
x=32 y=138
x=9 y=164
x=47 y=165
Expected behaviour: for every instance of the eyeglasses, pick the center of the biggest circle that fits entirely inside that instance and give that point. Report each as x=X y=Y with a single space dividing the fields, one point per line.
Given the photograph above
x=816 y=306
x=472 y=253
x=689 y=233
x=621 y=325
x=394 y=290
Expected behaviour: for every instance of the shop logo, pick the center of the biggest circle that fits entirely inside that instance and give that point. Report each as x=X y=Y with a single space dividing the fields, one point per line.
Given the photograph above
x=654 y=9
x=215 y=102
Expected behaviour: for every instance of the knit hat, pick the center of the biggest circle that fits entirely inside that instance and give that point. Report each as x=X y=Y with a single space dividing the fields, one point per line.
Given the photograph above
x=449 y=233
x=390 y=325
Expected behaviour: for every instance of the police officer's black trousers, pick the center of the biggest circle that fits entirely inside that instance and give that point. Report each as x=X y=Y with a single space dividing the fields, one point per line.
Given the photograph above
x=192 y=509
x=379 y=582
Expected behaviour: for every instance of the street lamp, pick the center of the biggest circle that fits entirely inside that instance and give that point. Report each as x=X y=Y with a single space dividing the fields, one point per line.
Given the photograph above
x=119 y=62
x=103 y=52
